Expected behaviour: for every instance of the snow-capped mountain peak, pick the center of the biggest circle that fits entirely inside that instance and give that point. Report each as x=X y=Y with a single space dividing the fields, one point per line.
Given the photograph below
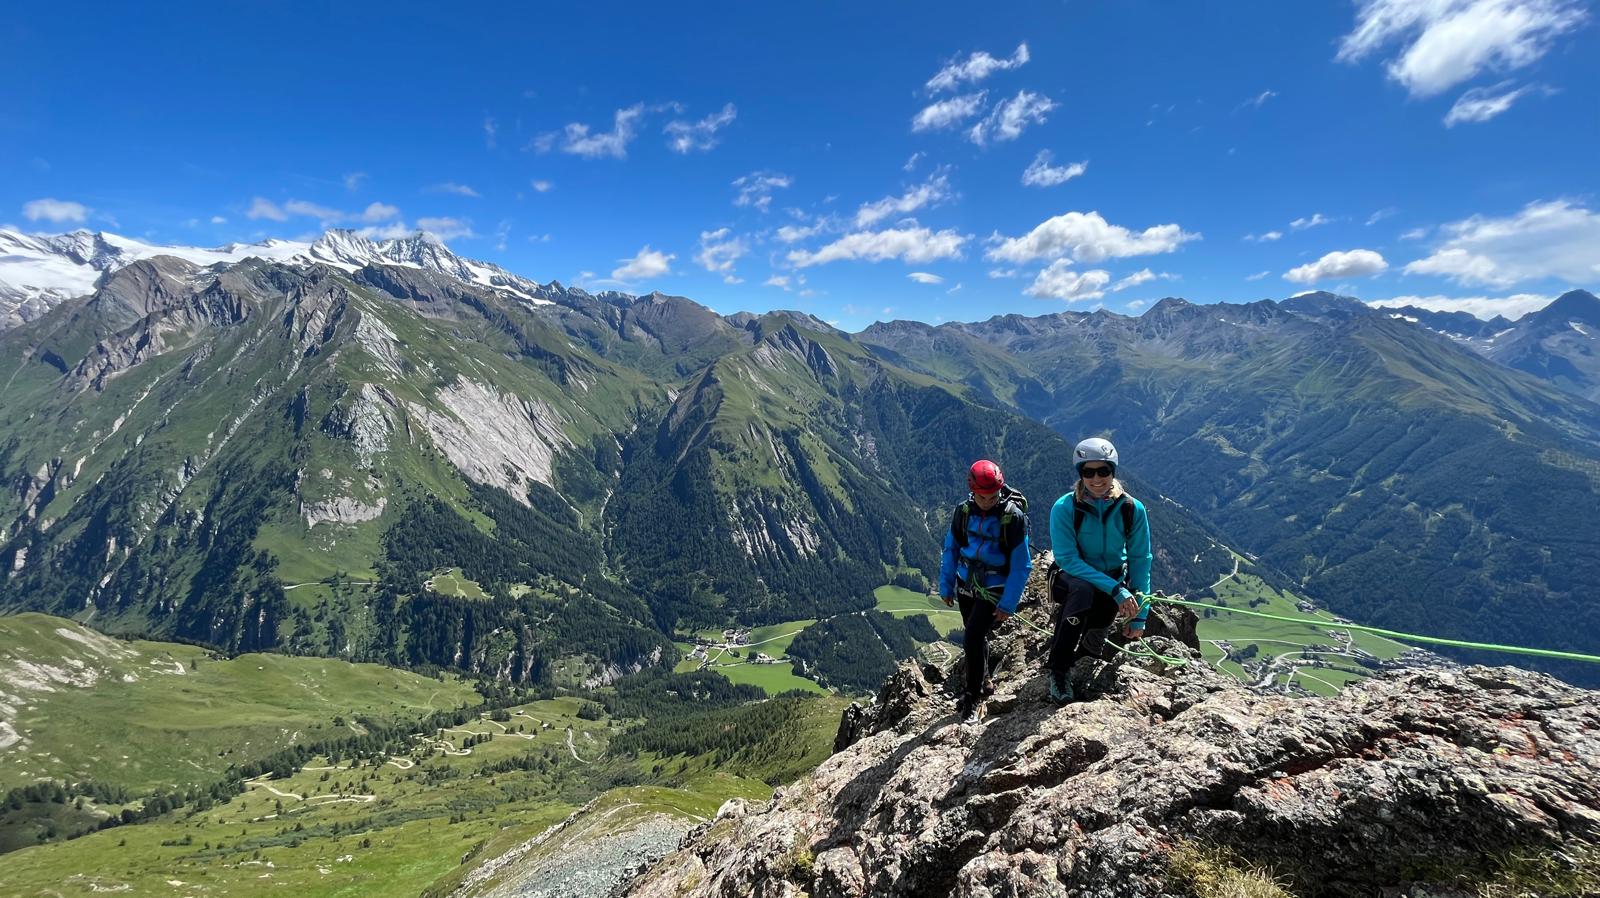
x=38 y=272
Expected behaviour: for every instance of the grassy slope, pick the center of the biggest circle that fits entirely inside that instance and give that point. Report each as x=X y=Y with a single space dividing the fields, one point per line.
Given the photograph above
x=432 y=816
x=159 y=714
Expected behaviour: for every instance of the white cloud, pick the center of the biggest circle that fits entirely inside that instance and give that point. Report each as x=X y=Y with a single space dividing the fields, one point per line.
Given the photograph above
x=1060 y=282
x=1355 y=263
x=1415 y=234
x=1446 y=42
x=352 y=181
x=686 y=137
x=54 y=210
x=911 y=164
x=998 y=273
x=1380 y=215
x=1486 y=307
x=1011 y=117
x=914 y=245
x=755 y=189
x=1316 y=219
x=954 y=290
x=1257 y=276
x=777 y=280
x=1550 y=239
x=1086 y=237
x=648 y=263
x=1040 y=173
x=264 y=208
x=453 y=187
x=490 y=129
x=541 y=186
x=1143 y=276
x=1259 y=99
x=719 y=249
x=975 y=68
x=1268 y=237
x=1483 y=103
x=313 y=210
x=325 y=215
x=923 y=277
x=948 y=113
x=446 y=228
x=577 y=140
x=217 y=219
x=501 y=234
x=391 y=231
x=1138 y=304
x=797 y=233
x=930 y=193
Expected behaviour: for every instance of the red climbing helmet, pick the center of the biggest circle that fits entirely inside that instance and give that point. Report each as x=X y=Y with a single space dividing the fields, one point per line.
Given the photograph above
x=984 y=478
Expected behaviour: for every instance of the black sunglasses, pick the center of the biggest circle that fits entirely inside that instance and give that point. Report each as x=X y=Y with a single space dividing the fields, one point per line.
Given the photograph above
x=1087 y=472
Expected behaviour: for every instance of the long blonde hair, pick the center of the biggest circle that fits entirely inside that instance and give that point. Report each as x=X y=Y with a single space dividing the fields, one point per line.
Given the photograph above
x=1081 y=492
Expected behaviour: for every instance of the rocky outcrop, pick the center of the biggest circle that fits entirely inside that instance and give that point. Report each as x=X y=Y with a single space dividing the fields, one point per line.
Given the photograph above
x=1414 y=783
x=496 y=439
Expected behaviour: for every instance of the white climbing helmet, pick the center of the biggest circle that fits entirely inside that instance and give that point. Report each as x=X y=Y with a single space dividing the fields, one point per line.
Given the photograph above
x=1094 y=449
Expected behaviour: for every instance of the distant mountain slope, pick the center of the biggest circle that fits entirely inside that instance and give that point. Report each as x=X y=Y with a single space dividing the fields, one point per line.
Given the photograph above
x=185 y=443
x=1559 y=343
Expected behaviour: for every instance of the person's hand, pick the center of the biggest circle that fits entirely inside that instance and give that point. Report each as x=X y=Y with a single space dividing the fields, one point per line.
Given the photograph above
x=1000 y=616
x=948 y=601
x=1129 y=609
x=1131 y=632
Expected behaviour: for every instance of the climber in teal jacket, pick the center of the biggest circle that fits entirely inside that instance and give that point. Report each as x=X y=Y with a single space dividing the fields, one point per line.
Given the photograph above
x=1100 y=536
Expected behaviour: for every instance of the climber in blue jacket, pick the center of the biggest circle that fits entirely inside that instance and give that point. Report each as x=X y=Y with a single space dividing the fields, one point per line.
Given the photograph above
x=985 y=565
x=1101 y=539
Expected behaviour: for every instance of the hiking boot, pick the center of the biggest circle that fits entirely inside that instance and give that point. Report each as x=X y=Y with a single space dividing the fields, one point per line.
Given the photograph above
x=972 y=712
x=1061 y=687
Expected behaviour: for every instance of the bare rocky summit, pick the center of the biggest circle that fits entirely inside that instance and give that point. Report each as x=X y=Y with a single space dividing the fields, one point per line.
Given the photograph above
x=1416 y=783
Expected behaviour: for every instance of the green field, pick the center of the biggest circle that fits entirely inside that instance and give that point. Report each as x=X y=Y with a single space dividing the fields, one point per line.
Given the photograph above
x=389 y=829
x=1275 y=638
x=84 y=706
x=453 y=582
x=774 y=641
x=903 y=602
x=420 y=819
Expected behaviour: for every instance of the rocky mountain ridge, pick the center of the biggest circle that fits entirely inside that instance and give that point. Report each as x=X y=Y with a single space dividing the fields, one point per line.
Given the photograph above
x=1423 y=783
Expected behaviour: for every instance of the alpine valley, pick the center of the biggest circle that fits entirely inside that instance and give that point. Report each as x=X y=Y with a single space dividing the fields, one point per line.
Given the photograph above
x=539 y=508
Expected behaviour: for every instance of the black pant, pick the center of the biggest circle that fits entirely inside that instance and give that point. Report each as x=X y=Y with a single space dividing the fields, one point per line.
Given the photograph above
x=977 y=616
x=1091 y=610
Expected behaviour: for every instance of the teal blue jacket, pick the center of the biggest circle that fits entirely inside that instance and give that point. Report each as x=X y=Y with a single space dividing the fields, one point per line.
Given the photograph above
x=1100 y=546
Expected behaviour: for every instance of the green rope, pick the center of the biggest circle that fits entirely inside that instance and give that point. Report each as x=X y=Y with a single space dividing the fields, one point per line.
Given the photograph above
x=1155 y=656
x=1324 y=624
x=1393 y=634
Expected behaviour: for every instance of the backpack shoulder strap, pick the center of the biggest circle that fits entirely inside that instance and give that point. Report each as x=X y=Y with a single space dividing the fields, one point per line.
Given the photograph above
x=959 y=523
x=1127 y=516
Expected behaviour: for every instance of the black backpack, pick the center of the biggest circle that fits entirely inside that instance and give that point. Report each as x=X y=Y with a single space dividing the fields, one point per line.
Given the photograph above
x=1013 y=508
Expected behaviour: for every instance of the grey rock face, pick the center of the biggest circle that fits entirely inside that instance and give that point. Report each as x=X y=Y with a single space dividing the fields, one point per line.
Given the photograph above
x=1409 y=776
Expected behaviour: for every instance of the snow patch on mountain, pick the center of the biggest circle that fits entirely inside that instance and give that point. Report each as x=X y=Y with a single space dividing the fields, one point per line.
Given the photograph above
x=38 y=272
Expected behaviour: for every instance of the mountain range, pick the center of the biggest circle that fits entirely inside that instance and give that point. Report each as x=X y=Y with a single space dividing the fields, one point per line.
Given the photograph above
x=281 y=445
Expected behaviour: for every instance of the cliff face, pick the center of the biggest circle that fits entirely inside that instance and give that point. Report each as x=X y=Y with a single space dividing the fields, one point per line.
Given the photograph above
x=1418 y=783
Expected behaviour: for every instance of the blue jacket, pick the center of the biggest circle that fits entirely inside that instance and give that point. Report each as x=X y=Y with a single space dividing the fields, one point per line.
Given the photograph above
x=1100 y=545
x=994 y=546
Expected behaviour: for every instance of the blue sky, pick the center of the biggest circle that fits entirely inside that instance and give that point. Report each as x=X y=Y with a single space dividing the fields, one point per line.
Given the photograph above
x=856 y=160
